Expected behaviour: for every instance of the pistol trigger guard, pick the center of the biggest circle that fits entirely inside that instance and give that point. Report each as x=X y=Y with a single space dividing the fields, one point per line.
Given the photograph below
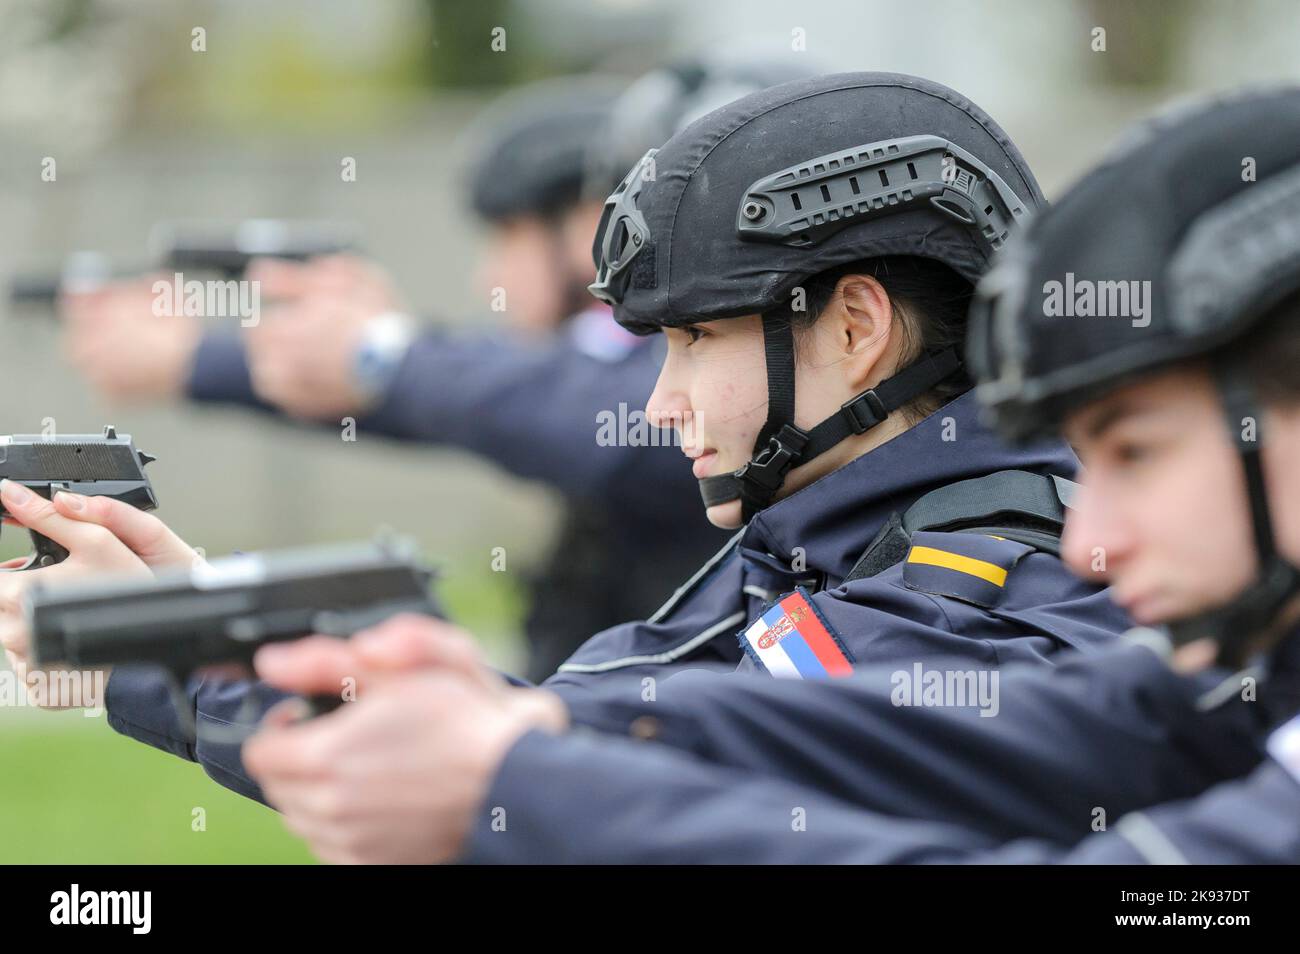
x=46 y=552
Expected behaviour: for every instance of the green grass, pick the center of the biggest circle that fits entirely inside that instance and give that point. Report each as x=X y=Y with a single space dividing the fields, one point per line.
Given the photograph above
x=75 y=792
x=492 y=606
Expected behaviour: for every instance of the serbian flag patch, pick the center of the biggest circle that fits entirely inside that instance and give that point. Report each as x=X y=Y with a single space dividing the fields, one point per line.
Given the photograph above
x=792 y=640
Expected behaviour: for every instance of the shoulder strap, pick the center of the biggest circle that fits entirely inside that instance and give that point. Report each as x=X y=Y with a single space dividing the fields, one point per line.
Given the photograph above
x=987 y=500
x=1016 y=504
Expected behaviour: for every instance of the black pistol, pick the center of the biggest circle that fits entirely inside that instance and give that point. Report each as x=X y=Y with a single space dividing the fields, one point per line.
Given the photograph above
x=103 y=465
x=219 y=613
x=190 y=247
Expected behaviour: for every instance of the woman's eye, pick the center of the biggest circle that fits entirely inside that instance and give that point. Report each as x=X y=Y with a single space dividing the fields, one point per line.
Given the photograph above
x=693 y=334
x=1130 y=453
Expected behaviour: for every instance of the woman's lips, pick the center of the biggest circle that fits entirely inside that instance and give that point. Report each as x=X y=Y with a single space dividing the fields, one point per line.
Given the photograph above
x=701 y=466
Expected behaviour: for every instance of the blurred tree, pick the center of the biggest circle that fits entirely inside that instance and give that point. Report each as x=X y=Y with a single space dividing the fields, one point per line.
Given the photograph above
x=1144 y=38
x=462 y=55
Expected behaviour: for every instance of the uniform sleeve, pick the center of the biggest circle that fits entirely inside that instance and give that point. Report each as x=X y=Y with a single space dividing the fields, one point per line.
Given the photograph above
x=590 y=800
x=532 y=409
x=582 y=799
x=1251 y=821
x=141 y=705
x=1116 y=731
x=224 y=712
x=219 y=372
x=537 y=411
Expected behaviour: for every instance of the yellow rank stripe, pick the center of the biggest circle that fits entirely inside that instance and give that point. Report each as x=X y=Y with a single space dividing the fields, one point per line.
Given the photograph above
x=962 y=564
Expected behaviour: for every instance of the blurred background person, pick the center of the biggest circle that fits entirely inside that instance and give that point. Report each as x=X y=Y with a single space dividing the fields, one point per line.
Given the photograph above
x=528 y=396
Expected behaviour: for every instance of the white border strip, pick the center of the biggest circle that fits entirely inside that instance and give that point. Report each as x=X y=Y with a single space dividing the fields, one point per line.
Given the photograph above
x=686 y=587
x=735 y=619
x=1148 y=840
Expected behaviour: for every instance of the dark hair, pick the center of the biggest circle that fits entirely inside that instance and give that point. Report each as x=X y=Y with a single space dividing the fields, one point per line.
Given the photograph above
x=1269 y=353
x=931 y=299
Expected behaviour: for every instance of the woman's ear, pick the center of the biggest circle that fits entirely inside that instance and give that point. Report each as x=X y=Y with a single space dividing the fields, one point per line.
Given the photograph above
x=864 y=326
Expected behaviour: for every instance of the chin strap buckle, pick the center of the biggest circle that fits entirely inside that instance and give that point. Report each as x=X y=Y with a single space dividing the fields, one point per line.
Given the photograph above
x=856 y=412
x=768 y=468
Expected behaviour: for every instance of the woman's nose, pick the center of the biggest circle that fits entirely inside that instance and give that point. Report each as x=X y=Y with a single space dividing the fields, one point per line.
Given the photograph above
x=673 y=413
x=1086 y=547
x=669 y=405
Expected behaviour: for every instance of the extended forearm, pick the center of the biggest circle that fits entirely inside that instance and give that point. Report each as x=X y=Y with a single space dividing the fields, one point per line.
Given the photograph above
x=1063 y=744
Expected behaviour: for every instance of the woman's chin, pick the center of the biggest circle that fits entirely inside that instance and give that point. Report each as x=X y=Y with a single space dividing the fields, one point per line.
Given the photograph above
x=725 y=516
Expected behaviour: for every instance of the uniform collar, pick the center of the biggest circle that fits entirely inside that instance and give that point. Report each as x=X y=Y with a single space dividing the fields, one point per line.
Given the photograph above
x=833 y=519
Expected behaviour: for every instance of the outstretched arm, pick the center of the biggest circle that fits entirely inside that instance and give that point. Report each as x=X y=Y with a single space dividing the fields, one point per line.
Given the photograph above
x=593 y=800
x=1117 y=730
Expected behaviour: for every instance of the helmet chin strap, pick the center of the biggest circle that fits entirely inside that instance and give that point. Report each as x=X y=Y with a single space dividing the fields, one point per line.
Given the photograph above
x=781 y=446
x=1253 y=611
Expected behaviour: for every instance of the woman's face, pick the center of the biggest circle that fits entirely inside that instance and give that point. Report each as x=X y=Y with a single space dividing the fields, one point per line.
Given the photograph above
x=713 y=385
x=536 y=263
x=713 y=391
x=1163 y=514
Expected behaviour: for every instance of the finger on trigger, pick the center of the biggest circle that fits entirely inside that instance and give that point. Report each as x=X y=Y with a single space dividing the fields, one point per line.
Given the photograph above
x=142 y=533
x=36 y=513
x=285 y=713
x=409 y=640
x=311 y=666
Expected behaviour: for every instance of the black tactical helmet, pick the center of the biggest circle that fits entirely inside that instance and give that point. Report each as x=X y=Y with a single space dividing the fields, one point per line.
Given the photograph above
x=530 y=147
x=660 y=103
x=1203 y=206
x=747 y=203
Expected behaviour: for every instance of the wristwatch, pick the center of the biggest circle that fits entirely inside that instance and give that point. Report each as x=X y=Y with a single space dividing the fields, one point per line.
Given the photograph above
x=384 y=343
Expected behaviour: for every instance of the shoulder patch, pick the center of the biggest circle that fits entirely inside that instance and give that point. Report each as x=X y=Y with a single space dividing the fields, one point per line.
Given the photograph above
x=971 y=567
x=793 y=640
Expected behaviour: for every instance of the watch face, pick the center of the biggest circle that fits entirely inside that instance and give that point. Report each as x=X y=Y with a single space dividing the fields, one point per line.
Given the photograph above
x=373 y=368
x=382 y=349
